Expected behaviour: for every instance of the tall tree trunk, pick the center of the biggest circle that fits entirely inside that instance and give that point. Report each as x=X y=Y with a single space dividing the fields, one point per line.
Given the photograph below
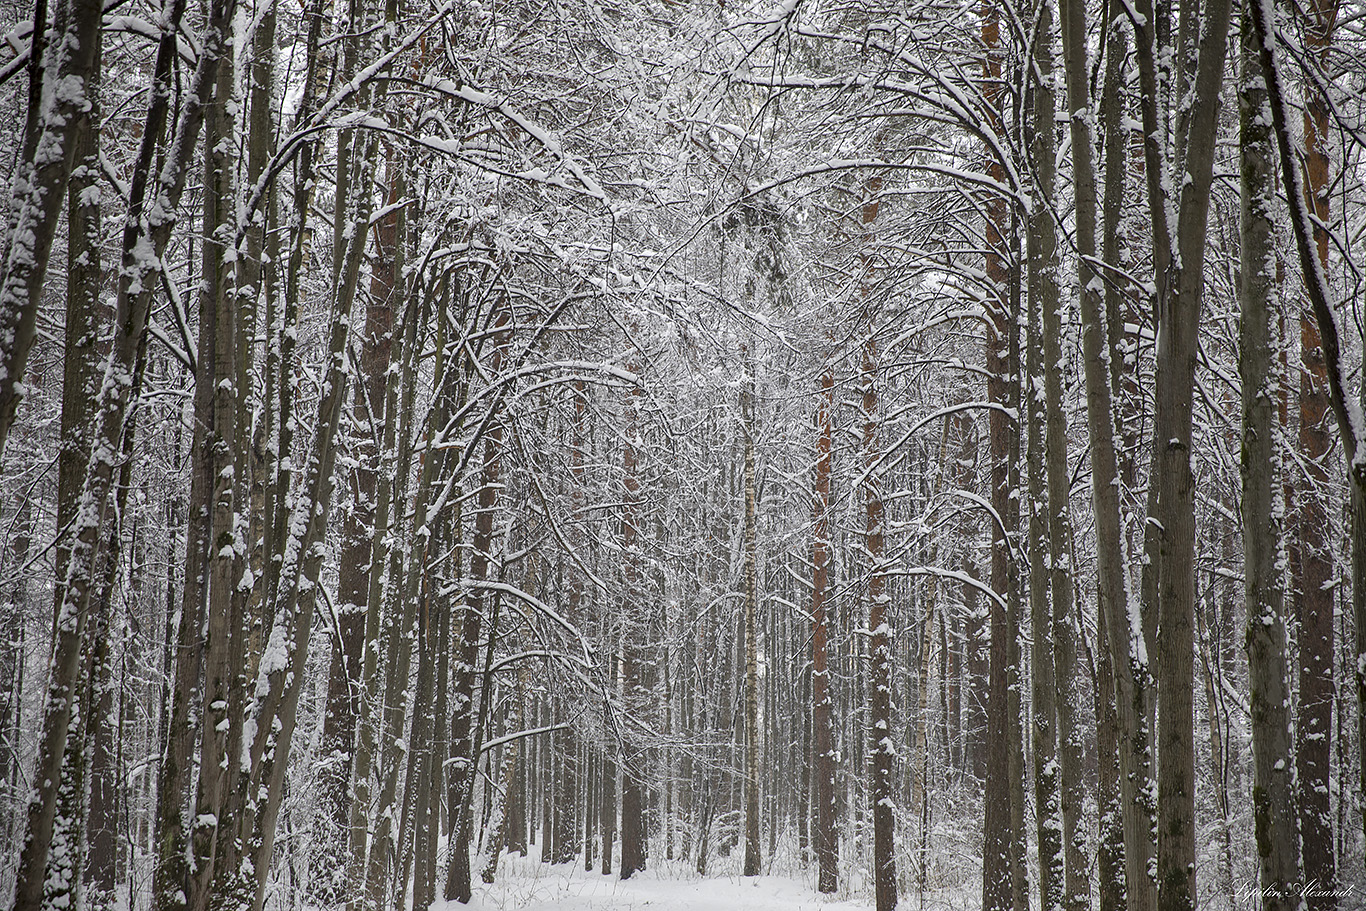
x=146 y=235
x=634 y=634
x=1171 y=492
x=1274 y=812
x=369 y=415
x=753 y=852
x=607 y=802
x=824 y=834
x=1074 y=886
x=463 y=729
x=386 y=568
x=1043 y=369
x=999 y=861
x=217 y=399
x=1314 y=592
x=881 y=793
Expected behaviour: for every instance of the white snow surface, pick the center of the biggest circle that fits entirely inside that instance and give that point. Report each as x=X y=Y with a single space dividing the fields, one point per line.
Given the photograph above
x=525 y=884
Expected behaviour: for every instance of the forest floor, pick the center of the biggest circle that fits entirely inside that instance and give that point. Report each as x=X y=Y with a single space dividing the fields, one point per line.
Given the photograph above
x=525 y=884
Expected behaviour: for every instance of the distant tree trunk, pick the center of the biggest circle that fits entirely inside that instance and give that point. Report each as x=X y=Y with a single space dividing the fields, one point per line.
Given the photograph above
x=881 y=793
x=429 y=822
x=635 y=633
x=15 y=609
x=590 y=815
x=500 y=823
x=824 y=833
x=753 y=851
x=607 y=802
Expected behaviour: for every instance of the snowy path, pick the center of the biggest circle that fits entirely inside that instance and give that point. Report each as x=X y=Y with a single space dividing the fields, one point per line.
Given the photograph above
x=525 y=885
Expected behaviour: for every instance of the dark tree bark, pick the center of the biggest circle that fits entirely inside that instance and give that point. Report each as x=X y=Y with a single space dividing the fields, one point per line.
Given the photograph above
x=1000 y=874
x=824 y=832
x=1313 y=591
x=36 y=191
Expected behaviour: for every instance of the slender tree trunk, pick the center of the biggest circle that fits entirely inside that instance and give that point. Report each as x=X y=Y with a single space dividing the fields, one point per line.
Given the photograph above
x=1073 y=887
x=1001 y=838
x=217 y=399
x=500 y=822
x=753 y=851
x=634 y=634
x=1112 y=810
x=881 y=792
x=607 y=803
x=1273 y=795
x=1043 y=369
x=369 y=415
x=386 y=568
x=463 y=731
x=1122 y=651
x=1313 y=591
x=824 y=833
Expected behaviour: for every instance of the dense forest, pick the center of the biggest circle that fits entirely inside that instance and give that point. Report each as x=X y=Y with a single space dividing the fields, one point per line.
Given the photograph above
x=915 y=445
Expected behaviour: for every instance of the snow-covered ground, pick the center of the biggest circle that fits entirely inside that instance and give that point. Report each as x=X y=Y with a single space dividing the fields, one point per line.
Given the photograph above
x=525 y=884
